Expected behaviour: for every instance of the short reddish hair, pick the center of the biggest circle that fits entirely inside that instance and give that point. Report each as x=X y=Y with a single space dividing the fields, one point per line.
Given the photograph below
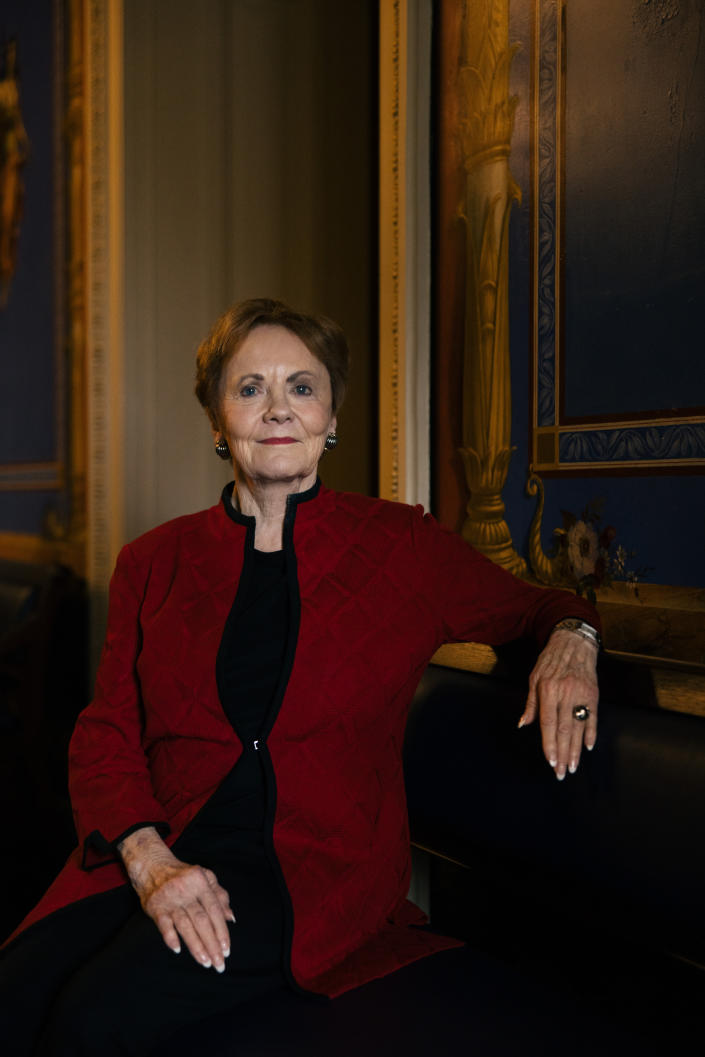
x=323 y=338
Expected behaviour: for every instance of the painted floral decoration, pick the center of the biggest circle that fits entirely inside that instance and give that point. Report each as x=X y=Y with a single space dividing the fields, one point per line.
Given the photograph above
x=587 y=555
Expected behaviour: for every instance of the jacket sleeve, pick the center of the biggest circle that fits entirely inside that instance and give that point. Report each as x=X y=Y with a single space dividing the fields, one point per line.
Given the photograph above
x=109 y=779
x=481 y=602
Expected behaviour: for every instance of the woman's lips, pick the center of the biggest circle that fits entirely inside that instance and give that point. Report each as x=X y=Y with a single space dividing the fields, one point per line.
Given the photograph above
x=279 y=440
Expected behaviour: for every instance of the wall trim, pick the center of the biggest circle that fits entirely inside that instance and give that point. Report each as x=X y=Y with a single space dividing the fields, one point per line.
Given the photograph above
x=104 y=298
x=405 y=250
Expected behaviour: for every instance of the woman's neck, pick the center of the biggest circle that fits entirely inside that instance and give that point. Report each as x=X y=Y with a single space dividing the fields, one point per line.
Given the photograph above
x=265 y=501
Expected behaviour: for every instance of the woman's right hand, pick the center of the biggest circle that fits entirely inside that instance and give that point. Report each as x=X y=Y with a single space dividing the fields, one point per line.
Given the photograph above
x=183 y=900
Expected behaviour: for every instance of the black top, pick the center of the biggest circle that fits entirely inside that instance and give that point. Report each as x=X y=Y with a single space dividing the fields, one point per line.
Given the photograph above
x=251 y=656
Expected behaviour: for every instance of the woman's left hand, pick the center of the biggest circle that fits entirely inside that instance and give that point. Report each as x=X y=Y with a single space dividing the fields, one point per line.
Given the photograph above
x=564 y=678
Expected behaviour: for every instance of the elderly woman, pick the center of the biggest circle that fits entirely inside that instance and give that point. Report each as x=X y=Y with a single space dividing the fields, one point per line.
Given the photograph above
x=237 y=781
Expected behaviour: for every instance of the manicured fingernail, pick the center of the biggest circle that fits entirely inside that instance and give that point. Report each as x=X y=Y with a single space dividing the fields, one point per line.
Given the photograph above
x=553 y=762
x=521 y=723
x=206 y=962
x=176 y=950
x=220 y=967
x=590 y=747
x=560 y=775
x=573 y=767
x=231 y=917
x=226 y=950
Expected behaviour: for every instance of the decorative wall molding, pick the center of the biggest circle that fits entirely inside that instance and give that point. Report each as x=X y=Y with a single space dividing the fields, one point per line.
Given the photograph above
x=669 y=443
x=404 y=251
x=63 y=535
x=87 y=533
x=545 y=219
x=69 y=528
x=102 y=39
x=663 y=441
x=485 y=131
x=50 y=474
x=392 y=155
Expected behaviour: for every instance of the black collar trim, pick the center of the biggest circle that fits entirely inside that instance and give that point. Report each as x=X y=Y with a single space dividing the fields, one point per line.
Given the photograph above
x=247 y=520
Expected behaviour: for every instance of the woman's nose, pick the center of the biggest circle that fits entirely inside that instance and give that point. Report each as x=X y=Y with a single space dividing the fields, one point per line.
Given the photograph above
x=278 y=407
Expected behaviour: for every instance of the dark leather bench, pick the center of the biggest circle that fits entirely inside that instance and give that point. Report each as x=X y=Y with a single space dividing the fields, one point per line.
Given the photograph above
x=593 y=886
x=622 y=840
x=581 y=901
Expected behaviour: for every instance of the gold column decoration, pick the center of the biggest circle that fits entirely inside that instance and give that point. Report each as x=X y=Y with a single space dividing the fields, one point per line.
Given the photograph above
x=546 y=569
x=486 y=125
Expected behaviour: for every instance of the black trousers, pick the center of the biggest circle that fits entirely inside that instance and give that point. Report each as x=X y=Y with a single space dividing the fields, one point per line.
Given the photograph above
x=97 y=978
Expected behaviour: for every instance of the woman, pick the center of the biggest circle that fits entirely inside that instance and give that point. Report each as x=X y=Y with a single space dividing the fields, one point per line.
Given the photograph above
x=241 y=761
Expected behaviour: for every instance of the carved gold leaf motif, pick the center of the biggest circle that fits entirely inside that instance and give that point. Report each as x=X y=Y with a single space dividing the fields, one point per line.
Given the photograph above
x=485 y=129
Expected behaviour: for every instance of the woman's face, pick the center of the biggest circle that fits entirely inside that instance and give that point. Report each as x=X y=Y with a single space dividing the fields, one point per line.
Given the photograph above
x=276 y=408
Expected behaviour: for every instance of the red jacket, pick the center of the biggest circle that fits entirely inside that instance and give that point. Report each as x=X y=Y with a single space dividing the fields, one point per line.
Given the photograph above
x=377 y=587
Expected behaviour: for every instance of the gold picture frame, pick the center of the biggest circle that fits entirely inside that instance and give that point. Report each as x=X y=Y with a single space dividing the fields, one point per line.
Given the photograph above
x=62 y=536
x=87 y=530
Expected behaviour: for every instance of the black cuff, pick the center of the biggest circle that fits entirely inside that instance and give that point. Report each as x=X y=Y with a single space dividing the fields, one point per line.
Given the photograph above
x=104 y=852
x=162 y=828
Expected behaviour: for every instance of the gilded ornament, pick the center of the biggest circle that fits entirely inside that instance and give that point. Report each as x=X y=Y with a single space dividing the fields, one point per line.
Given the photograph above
x=485 y=131
x=14 y=150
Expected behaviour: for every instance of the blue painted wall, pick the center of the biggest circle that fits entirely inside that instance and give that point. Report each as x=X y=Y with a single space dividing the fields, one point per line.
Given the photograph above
x=660 y=517
x=28 y=348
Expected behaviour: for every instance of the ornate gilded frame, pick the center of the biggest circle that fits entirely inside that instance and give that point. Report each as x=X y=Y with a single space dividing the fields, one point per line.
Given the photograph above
x=51 y=475
x=404 y=250
x=664 y=443
x=89 y=307
x=62 y=539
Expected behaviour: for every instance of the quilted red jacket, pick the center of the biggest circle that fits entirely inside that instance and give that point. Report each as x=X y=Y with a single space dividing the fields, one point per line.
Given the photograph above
x=376 y=587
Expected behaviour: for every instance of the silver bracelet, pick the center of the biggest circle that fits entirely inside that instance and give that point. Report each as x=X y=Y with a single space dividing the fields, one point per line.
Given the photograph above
x=579 y=627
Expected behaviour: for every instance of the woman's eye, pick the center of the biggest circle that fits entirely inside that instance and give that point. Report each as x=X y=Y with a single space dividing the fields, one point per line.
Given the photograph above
x=248 y=390
x=302 y=389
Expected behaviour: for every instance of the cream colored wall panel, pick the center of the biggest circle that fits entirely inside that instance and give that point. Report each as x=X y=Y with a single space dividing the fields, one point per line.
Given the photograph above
x=248 y=145
x=304 y=186
x=175 y=252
